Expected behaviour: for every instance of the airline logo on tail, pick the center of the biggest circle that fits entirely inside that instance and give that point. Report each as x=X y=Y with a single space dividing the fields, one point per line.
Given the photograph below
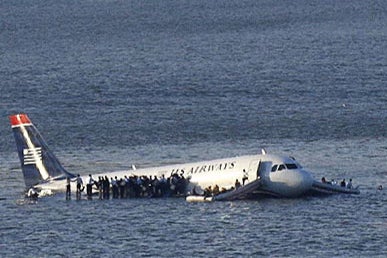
x=27 y=138
x=32 y=155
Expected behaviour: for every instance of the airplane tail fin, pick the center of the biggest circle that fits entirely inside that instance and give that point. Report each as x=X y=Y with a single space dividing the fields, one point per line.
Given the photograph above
x=38 y=163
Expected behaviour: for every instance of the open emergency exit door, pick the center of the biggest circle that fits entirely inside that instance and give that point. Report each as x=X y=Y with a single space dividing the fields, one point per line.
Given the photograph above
x=253 y=172
x=259 y=169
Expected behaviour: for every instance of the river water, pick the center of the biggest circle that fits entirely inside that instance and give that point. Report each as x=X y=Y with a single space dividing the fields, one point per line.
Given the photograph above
x=115 y=83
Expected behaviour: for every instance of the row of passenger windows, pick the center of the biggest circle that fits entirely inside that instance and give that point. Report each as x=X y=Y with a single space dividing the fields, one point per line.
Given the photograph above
x=283 y=166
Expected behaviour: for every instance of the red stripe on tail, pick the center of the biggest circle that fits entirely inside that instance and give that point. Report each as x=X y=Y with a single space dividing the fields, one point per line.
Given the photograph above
x=20 y=119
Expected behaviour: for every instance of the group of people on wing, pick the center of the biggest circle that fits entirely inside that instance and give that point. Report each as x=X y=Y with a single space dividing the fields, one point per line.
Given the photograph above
x=130 y=187
x=342 y=183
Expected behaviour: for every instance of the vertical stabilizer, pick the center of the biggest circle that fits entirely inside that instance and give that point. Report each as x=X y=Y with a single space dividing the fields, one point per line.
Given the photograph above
x=37 y=161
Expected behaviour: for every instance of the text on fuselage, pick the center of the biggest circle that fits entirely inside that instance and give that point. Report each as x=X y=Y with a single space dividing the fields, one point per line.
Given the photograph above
x=204 y=168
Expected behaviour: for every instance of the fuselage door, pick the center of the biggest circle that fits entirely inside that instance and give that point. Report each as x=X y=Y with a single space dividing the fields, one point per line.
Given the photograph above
x=253 y=170
x=264 y=170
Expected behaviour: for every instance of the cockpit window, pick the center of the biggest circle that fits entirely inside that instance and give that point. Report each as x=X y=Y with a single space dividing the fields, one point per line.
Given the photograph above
x=284 y=166
x=291 y=166
x=281 y=167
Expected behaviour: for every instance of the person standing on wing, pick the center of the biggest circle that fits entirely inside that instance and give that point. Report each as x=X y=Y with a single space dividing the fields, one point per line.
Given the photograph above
x=89 y=186
x=68 y=188
x=79 y=181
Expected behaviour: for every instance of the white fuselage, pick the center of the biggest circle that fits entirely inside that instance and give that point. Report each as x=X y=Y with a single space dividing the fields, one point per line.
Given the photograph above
x=280 y=176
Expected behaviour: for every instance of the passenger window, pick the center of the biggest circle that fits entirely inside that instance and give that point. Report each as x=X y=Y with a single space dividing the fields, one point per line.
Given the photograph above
x=281 y=167
x=274 y=168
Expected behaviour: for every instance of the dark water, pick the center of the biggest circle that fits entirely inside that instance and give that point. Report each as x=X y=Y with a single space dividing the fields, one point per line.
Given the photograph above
x=111 y=83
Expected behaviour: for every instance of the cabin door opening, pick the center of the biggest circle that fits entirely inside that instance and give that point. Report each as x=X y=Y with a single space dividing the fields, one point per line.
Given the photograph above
x=263 y=170
x=253 y=172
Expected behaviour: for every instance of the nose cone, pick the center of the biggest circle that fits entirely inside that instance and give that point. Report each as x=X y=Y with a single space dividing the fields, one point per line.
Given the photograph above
x=290 y=183
x=307 y=180
x=302 y=181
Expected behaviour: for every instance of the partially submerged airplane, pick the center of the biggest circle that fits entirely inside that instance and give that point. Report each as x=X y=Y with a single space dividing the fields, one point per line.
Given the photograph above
x=262 y=174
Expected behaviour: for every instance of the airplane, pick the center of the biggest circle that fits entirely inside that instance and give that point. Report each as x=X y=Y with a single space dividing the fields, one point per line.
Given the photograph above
x=259 y=174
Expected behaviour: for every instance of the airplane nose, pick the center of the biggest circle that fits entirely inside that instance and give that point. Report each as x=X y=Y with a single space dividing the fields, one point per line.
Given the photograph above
x=307 y=180
x=300 y=182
